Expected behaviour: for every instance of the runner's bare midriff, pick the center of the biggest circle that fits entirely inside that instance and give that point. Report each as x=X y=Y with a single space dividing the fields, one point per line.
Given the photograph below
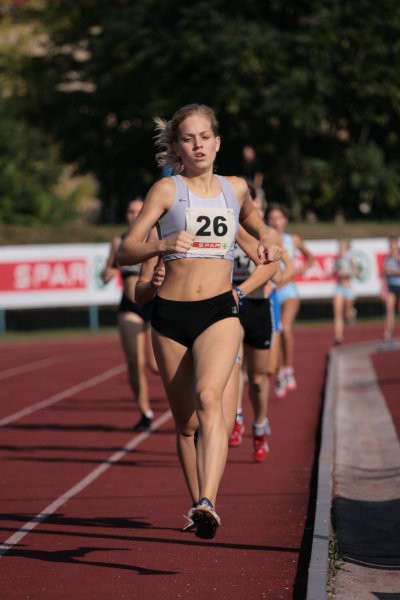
x=190 y=279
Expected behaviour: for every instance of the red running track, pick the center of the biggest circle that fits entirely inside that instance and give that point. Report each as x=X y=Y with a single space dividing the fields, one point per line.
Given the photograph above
x=386 y=365
x=83 y=518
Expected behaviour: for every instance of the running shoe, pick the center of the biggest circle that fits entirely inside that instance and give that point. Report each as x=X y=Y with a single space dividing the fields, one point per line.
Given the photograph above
x=205 y=519
x=144 y=424
x=260 y=448
x=236 y=437
x=280 y=384
x=262 y=428
x=190 y=526
x=291 y=383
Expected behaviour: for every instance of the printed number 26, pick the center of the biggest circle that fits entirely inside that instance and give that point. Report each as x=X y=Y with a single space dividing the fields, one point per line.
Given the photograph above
x=218 y=225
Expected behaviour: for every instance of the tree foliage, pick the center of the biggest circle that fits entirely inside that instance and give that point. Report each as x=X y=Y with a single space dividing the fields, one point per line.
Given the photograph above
x=31 y=170
x=313 y=86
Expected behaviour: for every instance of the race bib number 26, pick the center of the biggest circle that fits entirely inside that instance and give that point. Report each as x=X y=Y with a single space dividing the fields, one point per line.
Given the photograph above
x=214 y=229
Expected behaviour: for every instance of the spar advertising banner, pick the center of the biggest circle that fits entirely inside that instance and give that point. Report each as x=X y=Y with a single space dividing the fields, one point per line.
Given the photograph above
x=55 y=275
x=70 y=274
x=319 y=281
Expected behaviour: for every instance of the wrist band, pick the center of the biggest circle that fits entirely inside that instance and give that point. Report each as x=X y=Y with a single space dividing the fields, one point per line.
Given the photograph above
x=240 y=294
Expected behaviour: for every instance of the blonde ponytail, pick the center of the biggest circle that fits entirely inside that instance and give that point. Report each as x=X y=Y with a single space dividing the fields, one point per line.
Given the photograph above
x=164 y=142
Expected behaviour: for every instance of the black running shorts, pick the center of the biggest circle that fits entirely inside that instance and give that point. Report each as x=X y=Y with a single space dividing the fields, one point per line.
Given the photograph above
x=185 y=321
x=256 y=320
x=142 y=310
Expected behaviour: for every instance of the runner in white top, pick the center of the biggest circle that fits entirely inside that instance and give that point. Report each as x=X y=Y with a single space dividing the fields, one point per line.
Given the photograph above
x=196 y=332
x=150 y=280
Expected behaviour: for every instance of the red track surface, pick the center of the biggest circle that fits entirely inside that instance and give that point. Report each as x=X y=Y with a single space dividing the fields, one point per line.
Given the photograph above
x=387 y=367
x=119 y=537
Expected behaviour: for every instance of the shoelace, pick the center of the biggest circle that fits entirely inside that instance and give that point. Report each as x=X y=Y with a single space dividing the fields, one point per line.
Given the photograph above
x=189 y=515
x=189 y=523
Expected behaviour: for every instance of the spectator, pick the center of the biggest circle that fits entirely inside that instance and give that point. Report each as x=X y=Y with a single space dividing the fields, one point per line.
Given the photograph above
x=252 y=170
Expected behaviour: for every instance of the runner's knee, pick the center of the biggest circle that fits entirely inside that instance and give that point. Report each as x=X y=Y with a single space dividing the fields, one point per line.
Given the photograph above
x=207 y=399
x=286 y=329
x=257 y=380
x=185 y=430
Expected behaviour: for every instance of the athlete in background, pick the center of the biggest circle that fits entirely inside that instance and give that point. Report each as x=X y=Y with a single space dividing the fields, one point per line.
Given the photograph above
x=345 y=270
x=391 y=276
x=288 y=296
x=133 y=325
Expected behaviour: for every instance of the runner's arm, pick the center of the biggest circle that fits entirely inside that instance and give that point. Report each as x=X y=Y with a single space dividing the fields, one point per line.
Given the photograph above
x=151 y=277
x=137 y=247
x=110 y=269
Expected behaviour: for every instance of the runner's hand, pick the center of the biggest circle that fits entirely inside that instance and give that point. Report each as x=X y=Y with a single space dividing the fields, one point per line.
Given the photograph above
x=268 y=252
x=109 y=273
x=181 y=242
x=158 y=275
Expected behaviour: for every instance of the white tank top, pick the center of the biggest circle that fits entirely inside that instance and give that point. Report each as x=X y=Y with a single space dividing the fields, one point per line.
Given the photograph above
x=214 y=221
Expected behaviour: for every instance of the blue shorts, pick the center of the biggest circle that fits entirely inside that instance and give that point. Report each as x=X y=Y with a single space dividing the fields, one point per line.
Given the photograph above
x=275 y=311
x=286 y=292
x=346 y=291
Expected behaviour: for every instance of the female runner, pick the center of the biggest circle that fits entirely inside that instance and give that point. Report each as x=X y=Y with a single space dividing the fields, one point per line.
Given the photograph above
x=150 y=280
x=391 y=274
x=288 y=296
x=346 y=270
x=195 y=325
x=258 y=322
x=133 y=325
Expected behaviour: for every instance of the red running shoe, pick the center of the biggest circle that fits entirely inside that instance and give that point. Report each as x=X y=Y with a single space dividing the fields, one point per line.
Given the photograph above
x=260 y=448
x=236 y=435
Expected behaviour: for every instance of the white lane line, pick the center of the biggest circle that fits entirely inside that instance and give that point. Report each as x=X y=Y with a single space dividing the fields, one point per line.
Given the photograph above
x=81 y=485
x=38 y=364
x=62 y=395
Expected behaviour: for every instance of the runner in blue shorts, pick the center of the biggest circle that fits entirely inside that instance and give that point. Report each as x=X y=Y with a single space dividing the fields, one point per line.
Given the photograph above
x=288 y=296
